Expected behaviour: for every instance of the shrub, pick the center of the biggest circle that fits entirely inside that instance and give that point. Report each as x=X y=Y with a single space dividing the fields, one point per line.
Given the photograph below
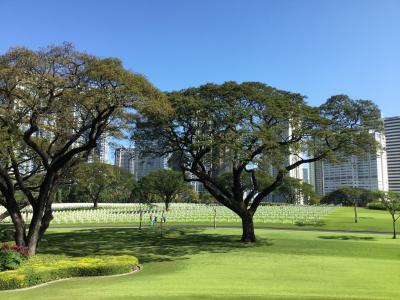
x=378 y=205
x=23 y=250
x=10 y=259
x=44 y=268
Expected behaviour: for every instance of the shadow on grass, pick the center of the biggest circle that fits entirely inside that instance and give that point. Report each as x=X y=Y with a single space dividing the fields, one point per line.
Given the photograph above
x=147 y=245
x=317 y=224
x=347 y=237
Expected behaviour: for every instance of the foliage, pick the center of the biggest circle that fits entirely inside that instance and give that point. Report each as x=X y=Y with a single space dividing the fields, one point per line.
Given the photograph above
x=377 y=205
x=348 y=196
x=162 y=185
x=391 y=200
x=56 y=103
x=101 y=182
x=10 y=259
x=294 y=191
x=45 y=268
x=252 y=129
x=23 y=250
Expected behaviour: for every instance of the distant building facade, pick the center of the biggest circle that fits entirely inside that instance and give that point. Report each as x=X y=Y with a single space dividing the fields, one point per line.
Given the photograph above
x=124 y=158
x=367 y=172
x=138 y=165
x=102 y=150
x=306 y=177
x=392 y=132
x=143 y=165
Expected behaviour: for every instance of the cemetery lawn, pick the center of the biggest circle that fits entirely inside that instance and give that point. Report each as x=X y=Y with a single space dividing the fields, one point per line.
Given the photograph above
x=342 y=218
x=200 y=263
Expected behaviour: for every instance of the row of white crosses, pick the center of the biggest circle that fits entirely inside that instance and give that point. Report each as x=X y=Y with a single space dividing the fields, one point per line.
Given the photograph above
x=83 y=213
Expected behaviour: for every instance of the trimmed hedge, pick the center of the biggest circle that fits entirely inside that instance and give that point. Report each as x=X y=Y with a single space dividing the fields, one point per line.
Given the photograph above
x=44 y=268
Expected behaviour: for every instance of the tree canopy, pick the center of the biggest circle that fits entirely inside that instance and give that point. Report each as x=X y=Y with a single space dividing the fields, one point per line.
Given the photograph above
x=102 y=182
x=161 y=185
x=55 y=104
x=252 y=128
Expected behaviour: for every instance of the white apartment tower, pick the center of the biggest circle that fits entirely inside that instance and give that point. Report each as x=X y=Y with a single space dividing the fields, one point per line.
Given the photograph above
x=392 y=132
x=367 y=172
x=102 y=150
x=124 y=158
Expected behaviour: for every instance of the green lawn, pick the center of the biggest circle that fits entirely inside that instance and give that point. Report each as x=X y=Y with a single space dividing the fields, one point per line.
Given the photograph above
x=207 y=264
x=342 y=218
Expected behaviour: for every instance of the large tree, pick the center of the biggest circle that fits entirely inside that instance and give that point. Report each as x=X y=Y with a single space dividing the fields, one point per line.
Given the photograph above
x=54 y=106
x=252 y=128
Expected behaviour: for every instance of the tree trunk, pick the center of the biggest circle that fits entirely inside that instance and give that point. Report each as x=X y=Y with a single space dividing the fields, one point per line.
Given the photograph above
x=96 y=200
x=41 y=217
x=355 y=213
x=48 y=216
x=394 y=227
x=34 y=229
x=18 y=221
x=248 y=228
x=140 y=219
x=167 y=202
x=20 y=228
x=215 y=218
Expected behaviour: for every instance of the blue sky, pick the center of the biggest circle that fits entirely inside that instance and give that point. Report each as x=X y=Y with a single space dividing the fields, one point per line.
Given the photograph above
x=317 y=48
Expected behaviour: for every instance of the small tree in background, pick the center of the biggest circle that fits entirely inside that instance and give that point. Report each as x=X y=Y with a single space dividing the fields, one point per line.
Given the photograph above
x=101 y=181
x=294 y=191
x=167 y=185
x=350 y=196
x=142 y=191
x=391 y=200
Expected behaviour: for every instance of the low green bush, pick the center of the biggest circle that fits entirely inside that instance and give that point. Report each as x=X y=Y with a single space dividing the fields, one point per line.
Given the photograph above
x=44 y=268
x=10 y=259
x=378 y=205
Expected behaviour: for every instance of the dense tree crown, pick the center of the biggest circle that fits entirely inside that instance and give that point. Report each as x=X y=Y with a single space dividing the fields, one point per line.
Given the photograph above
x=252 y=128
x=102 y=182
x=161 y=185
x=54 y=106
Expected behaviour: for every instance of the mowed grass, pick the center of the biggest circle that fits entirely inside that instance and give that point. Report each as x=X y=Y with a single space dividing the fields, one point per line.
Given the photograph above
x=342 y=218
x=200 y=263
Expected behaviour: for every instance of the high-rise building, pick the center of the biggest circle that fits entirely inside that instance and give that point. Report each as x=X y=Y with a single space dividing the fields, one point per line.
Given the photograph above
x=143 y=165
x=102 y=150
x=124 y=158
x=317 y=176
x=367 y=172
x=306 y=177
x=139 y=165
x=392 y=132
